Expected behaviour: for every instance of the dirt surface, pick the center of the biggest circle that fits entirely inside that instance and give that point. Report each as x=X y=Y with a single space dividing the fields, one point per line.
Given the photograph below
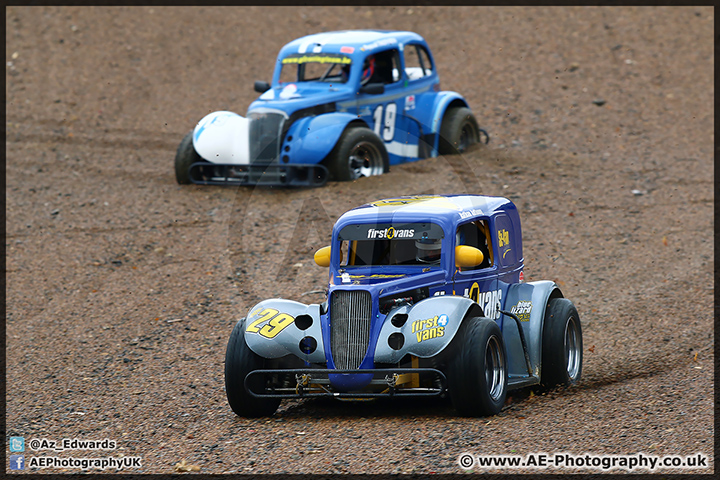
x=123 y=287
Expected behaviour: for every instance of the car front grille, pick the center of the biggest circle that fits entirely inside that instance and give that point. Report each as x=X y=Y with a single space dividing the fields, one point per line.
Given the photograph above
x=350 y=312
x=265 y=136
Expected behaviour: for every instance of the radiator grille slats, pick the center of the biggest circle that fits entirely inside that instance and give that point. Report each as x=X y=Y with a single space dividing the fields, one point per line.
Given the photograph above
x=351 y=312
x=265 y=133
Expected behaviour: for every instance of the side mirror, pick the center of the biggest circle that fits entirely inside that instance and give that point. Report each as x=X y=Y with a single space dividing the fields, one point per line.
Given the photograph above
x=322 y=257
x=261 y=87
x=373 y=88
x=467 y=256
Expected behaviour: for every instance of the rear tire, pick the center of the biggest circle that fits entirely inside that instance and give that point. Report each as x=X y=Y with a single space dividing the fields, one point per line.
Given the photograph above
x=185 y=156
x=239 y=361
x=358 y=153
x=459 y=130
x=562 y=348
x=477 y=368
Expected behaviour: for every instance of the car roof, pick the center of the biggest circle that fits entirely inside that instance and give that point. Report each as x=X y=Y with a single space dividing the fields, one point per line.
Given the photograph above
x=447 y=210
x=350 y=42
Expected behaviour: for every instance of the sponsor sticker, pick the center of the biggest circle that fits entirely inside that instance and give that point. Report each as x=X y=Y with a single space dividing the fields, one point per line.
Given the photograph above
x=410 y=102
x=503 y=238
x=488 y=301
x=522 y=310
x=326 y=58
x=390 y=233
x=430 y=328
x=379 y=43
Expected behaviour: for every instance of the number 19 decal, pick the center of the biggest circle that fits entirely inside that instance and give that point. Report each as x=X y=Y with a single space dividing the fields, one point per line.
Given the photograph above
x=388 y=124
x=277 y=322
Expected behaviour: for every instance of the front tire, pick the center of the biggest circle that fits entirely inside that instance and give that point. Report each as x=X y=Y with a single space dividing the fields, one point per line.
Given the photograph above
x=358 y=153
x=458 y=131
x=562 y=348
x=185 y=156
x=477 y=368
x=239 y=361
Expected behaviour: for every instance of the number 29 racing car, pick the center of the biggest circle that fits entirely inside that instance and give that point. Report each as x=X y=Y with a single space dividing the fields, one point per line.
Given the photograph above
x=426 y=297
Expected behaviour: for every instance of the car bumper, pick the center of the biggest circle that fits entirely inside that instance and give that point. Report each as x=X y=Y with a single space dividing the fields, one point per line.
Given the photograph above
x=270 y=175
x=386 y=382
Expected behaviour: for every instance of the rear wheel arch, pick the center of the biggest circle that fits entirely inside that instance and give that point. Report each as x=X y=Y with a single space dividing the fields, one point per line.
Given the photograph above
x=554 y=293
x=456 y=103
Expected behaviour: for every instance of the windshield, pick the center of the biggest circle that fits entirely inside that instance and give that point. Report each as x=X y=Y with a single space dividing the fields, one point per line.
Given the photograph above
x=391 y=244
x=315 y=67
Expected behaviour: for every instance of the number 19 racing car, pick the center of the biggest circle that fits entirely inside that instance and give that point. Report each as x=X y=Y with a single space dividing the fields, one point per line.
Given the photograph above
x=341 y=105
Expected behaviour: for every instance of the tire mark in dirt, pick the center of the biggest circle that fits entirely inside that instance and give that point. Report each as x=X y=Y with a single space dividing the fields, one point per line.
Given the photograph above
x=72 y=231
x=27 y=130
x=91 y=140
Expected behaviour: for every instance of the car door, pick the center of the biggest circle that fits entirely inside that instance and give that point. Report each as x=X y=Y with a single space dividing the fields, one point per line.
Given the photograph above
x=421 y=89
x=384 y=112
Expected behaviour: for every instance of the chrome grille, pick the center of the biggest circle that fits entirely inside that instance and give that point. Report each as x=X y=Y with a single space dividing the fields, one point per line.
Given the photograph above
x=265 y=132
x=350 y=312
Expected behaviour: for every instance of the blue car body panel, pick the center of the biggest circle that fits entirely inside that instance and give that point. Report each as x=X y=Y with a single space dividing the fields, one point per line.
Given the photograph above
x=407 y=112
x=311 y=138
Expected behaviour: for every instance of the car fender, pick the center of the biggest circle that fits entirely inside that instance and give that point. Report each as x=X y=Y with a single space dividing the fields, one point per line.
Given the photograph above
x=270 y=334
x=313 y=138
x=443 y=100
x=223 y=137
x=430 y=326
x=528 y=302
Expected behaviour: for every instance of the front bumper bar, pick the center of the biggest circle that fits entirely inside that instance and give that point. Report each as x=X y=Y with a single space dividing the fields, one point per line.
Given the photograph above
x=269 y=175
x=311 y=382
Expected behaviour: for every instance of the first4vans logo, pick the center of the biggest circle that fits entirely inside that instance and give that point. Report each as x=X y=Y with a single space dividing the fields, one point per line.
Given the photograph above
x=390 y=233
x=488 y=301
x=430 y=328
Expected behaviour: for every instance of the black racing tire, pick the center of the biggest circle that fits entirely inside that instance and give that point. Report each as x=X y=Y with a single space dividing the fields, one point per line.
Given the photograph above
x=562 y=346
x=185 y=156
x=239 y=361
x=358 y=153
x=458 y=131
x=477 y=368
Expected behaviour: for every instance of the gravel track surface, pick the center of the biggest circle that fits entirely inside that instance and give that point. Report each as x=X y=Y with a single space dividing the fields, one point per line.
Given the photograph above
x=123 y=287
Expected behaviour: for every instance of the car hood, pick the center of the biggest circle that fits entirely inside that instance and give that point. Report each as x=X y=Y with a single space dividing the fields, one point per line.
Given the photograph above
x=296 y=96
x=386 y=282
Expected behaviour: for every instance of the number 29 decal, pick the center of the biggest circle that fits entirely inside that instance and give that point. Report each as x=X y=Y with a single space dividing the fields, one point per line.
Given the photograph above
x=385 y=122
x=276 y=323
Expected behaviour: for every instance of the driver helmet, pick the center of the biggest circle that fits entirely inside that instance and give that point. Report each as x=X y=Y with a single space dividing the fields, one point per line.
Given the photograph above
x=368 y=70
x=428 y=250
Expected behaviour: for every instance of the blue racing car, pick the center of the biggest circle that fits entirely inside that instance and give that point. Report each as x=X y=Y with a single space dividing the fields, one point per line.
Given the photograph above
x=426 y=296
x=341 y=105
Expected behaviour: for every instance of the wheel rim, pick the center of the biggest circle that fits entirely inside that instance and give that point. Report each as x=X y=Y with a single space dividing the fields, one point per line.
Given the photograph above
x=572 y=348
x=467 y=136
x=365 y=160
x=494 y=368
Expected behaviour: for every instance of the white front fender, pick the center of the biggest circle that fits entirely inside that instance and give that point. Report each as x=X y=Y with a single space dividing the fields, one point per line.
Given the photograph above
x=222 y=137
